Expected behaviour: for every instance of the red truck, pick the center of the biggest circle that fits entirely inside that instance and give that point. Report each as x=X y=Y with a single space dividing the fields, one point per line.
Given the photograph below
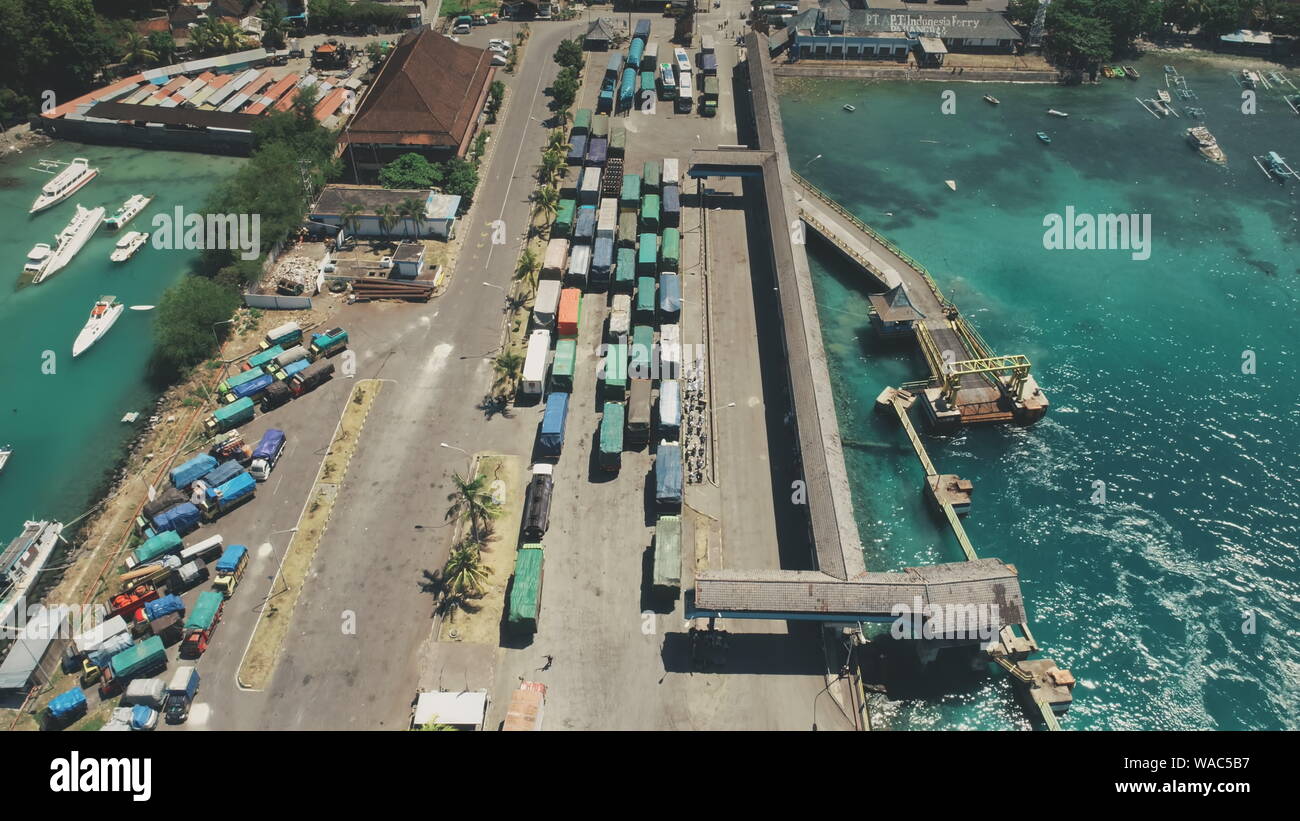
x=128 y=603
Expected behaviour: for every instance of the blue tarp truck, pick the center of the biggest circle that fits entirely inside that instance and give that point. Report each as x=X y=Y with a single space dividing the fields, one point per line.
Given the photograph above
x=266 y=454
x=551 y=439
x=670 y=298
x=602 y=262
x=67 y=707
x=577 y=149
x=223 y=473
x=627 y=88
x=161 y=607
x=252 y=389
x=668 y=475
x=222 y=499
x=183 y=518
x=230 y=569
x=184 y=474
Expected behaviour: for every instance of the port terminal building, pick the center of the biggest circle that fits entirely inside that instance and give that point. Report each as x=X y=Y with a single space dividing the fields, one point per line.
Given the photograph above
x=836 y=30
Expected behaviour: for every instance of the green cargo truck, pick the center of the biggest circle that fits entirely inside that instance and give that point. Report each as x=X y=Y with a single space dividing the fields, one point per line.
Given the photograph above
x=666 y=579
x=625 y=271
x=650 y=213
x=647 y=253
x=566 y=356
x=230 y=383
x=526 y=591
x=230 y=416
x=333 y=341
x=670 y=253
x=144 y=658
x=581 y=121
x=709 y=107
x=627 y=229
x=564 y=212
x=617 y=140
x=643 y=345
x=600 y=125
x=651 y=177
x=611 y=436
x=629 y=198
x=643 y=310
x=260 y=358
x=615 y=365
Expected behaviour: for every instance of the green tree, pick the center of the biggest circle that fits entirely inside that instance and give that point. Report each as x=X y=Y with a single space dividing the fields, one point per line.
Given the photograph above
x=507 y=366
x=465 y=574
x=556 y=141
x=545 y=201
x=564 y=89
x=552 y=162
x=462 y=178
x=472 y=501
x=411 y=171
x=162 y=44
x=352 y=217
x=569 y=54
x=387 y=219
x=274 y=25
x=135 y=50
x=184 y=325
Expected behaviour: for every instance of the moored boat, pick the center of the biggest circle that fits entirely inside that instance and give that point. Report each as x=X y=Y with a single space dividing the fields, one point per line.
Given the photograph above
x=22 y=562
x=106 y=311
x=1042 y=135
x=1164 y=96
x=65 y=183
x=994 y=100
x=1056 y=113
x=129 y=210
x=37 y=258
x=5 y=452
x=1132 y=73
x=1249 y=78
x=1203 y=141
x=848 y=107
x=128 y=245
x=69 y=241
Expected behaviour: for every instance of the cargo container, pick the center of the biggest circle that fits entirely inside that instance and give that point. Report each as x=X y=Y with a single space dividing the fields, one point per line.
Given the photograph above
x=202 y=623
x=627 y=88
x=223 y=472
x=600 y=125
x=566 y=357
x=524 y=713
x=164 y=544
x=232 y=382
x=254 y=389
x=184 y=474
x=589 y=189
x=550 y=438
x=597 y=152
x=526 y=589
x=671 y=174
x=218 y=501
x=642 y=353
x=605 y=102
x=647 y=254
x=666 y=579
x=602 y=262
x=182 y=518
x=570 y=315
x=670 y=351
x=557 y=256
x=630 y=196
x=638 y=413
x=670 y=253
x=312 y=377
x=607 y=218
x=143 y=658
x=534 y=374
x=207 y=550
x=668 y=475
x=625 y=271
x=671 y=201
x=613 y=371
x=547 y=303
x=584 y=227
x=610 y=455
x=577 y=153
x=230 y=569
x=230 y=416
x=670 y=298
x=579 y=266
x=564 y=216
x=332 y=342
x=650 y=177
x=650 y=213
x=627 y=229
x=642 y=31
x=617 y=140
x=582 y=120
x=644 y=308
x=620 y=317
x=261 y=358
x=537 y=502
x=290 y=333
x=267 y=453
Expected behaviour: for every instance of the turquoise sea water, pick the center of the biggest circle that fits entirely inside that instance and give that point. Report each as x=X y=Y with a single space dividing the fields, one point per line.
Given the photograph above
x=1143 y=597
x=65 y=426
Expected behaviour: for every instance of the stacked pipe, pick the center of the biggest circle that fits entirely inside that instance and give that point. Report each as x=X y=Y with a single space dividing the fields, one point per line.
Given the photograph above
x=371 y=289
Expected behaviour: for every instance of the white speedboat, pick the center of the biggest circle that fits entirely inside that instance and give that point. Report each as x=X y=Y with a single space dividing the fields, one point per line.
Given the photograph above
x=102 y=317
x=22 y=562
x=1056 y=113
x=69 y=241
x=5 y=452
x=65 y=183
x=37 y=258
x=129 y=211
x=128 y=245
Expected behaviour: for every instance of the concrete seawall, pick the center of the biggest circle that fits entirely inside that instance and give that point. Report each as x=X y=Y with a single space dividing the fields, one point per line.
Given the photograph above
x=935 y=75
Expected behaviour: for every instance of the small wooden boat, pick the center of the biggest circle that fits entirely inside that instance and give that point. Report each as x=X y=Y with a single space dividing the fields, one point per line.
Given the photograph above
x=1056 y=113
x=1042 y=135
x=951 y=184
x=848 y=107
x=1164 y=96
x=1107 y=71
x=1132 y=73
x=994 y=100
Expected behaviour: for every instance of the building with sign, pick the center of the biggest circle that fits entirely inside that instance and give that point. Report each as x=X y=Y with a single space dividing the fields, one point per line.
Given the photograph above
x=835 y=31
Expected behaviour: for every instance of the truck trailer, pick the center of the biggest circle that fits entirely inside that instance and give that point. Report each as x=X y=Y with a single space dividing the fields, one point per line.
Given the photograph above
x=202 y=623
x=534 y=373
x=267 y=454
x=230 y=569
x=526 y=589
x=610 y=455
x=550 y=438
x=230 y=416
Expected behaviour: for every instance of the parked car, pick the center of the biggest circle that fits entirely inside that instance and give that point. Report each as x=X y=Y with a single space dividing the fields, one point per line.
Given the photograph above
x=496 y=42
x=499 y=59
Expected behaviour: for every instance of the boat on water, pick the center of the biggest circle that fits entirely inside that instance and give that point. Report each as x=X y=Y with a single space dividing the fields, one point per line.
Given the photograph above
x=1164 y=96
x=1056 y=113
x=65 y=183
x=994 y=100
x=1107 y=71
x=106 y=311
x=1249 y=79
x=129 y=210
x=69 y=241
x=1275 y=167
x=951 y=184
x=37 y=258
x=1117 y=71
x=5 y=452
x=848 y=107
x=128 y=245
x=1203 y=141
x=1042 y=135
x=22 y=562
x=1131 y=73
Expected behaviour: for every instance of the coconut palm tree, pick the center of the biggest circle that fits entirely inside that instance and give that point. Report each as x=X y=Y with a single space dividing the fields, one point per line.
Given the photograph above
x=557 y=141
x=545 y=201
x=136 y=50
x=387 y=219
x=527 y=267
x=352 y=217
x=410 y=209
x=274 y=25
x=465 y=573
x=507 y=366
x=472 y=500
x=552 y=162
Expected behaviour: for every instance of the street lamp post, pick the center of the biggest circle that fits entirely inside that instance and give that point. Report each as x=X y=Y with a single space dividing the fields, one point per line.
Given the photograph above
x=468 y=455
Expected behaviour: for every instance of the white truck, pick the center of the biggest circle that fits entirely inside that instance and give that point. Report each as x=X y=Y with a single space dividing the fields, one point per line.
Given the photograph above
x=535 y=362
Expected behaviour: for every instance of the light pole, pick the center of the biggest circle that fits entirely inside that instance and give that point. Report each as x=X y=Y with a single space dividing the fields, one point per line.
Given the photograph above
x=214 y=330
x=468 y=455
x=498 y=287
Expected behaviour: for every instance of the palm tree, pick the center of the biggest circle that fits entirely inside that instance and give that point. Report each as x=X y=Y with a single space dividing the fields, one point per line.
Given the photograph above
x=527 y=267
x=557 y=142
x=410 y=209
x=465 y=574
x=136 y=50
x=274 y=25
x=545 y=201
x=507 y=365
x=552 y=162
x=352 y=217
x=471 y=500
x=387 y=219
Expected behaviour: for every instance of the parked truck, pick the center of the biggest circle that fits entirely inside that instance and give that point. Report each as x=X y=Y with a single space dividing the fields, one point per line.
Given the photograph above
x=220 y=500
x=182 y=518
x=550 y=439
x=160 y=607
x=181 y=690
x=620 y=317
x=154 y=548
x=602 y=263
x=638 y=413
x=670 y=409
x=547 y=303
x=168 y=628
x=253 y=389
x=184 y=474
x=144 y=658
x=230 y=569
x=670 y=298
x=614 y=371
x=230 y=416
x=566 y=356
x=188 y=575
x=666 y=579
x=146 y=691
x=610 y=454
x=169 y=497
x=262 y=358
x=537 y=501
x=231 y=382
x=333 y=341
x=570 y=313
x=207 y=550
x=230 y=445
x=65 y=708
x=525 y=709
x=641 y=361
x=202 y=623
x=290 y=333
x=126 y=603
x=526 y=589
x=668 y=475
x=317 y=374
x=222 y=473
x=297 y=353
x=267 y=454
x=579 y=265
x=556 y=259
x=644 y=308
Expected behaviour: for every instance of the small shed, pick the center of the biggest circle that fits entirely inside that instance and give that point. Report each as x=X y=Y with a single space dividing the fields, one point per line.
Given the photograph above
x=463 y=711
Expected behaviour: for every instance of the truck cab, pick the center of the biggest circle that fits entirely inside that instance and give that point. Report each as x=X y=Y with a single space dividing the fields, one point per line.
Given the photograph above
x=181 y=689
x=267 y=453
x=329 y=343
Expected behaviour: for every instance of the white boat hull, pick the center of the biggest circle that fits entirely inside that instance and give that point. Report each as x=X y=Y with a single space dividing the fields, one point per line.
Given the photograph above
x=45 y=200
x=95 y=329
x=71 y=240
